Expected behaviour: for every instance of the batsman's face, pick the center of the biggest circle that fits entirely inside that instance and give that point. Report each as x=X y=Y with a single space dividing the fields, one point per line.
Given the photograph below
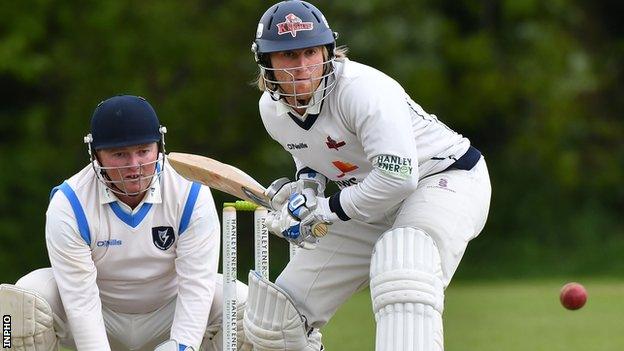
x=298 y=72
x=131 y=168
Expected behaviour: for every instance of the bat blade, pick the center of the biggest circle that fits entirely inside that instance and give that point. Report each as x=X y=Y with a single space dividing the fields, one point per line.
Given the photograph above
x=220 y=176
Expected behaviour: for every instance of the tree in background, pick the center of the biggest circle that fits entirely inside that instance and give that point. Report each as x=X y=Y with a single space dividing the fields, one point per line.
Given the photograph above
x=533 y=84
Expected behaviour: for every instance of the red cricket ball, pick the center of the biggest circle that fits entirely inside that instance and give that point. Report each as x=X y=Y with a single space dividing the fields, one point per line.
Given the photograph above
x=573 y=296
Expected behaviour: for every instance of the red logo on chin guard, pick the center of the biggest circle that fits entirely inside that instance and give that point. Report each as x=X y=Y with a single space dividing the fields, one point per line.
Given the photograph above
x=292 y=25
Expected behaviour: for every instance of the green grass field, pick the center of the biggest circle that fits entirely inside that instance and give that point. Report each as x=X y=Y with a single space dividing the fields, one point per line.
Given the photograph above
x=503 y=316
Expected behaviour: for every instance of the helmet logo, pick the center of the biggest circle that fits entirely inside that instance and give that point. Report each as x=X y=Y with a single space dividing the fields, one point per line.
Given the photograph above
x=292 y=25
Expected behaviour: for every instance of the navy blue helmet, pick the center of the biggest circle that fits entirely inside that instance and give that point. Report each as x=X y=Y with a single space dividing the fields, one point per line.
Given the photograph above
x=124 y=120
x=121 y=121
x=291 y=25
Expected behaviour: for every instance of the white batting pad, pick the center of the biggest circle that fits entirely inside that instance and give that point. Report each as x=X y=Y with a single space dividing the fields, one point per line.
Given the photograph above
x=243 y=343
x=213 y=338
x=407 y=292
x=32 y=320
x=215 y=342
x=272 y=322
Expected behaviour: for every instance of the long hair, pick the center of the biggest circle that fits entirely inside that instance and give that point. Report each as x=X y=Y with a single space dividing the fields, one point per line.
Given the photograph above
x=340 y=53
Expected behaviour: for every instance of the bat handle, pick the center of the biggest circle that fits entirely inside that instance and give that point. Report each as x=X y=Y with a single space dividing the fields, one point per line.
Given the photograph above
x=319 y=229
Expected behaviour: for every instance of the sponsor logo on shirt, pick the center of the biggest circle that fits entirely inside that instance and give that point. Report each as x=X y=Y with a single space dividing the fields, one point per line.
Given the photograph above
x=443 y=184
x=107 y=243
x=297 y=146
x=163 y=237
x=344 y=167
x=292 y=25
x=345 y=182
x=333 y=144
x=394 y=165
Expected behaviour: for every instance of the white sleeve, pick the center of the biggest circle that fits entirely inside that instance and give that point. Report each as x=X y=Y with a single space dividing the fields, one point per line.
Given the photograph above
x=298 y=165
x=75 y=274
x=196 y=266
x=379 y=115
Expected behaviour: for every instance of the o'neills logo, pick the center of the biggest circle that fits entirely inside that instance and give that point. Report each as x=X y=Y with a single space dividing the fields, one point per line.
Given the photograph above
x=292 y=25
x=297 y=146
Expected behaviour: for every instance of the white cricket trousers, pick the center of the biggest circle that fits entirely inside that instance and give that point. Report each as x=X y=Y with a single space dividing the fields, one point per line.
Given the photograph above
x=126 y=331
x=451 y=207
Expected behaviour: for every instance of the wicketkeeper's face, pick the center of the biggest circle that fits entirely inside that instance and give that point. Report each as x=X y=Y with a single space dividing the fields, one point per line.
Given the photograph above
x=298 y=72
x=130 y=169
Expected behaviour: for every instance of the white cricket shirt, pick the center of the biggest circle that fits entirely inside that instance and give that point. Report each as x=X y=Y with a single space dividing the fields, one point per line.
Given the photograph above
x=368 y=136
x=133 y=261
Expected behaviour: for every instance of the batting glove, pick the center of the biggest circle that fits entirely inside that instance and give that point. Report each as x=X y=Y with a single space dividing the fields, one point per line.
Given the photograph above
x=280 y=190
x=172 y=345
x=302 y=220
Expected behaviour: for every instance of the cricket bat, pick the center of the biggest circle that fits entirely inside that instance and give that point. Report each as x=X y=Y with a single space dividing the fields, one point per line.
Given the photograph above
x=228 y=179
x=220 y=176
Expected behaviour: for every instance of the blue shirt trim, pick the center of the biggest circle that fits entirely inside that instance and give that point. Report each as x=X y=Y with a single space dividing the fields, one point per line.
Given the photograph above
x=130 y=219
x=81 y=218
x=136 y=219
x=188 y=207
x=182 y=347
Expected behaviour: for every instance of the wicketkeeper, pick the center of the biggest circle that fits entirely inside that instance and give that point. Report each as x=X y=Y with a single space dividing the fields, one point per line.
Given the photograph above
x=134 y=249
x=413 y=192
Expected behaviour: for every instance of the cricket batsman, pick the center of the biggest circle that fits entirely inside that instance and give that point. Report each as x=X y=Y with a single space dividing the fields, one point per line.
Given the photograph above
x=133 y=248
x=413 y=192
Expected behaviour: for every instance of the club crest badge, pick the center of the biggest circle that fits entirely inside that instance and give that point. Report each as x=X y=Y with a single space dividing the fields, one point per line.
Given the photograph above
x=163 y=237
x=292 y=25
